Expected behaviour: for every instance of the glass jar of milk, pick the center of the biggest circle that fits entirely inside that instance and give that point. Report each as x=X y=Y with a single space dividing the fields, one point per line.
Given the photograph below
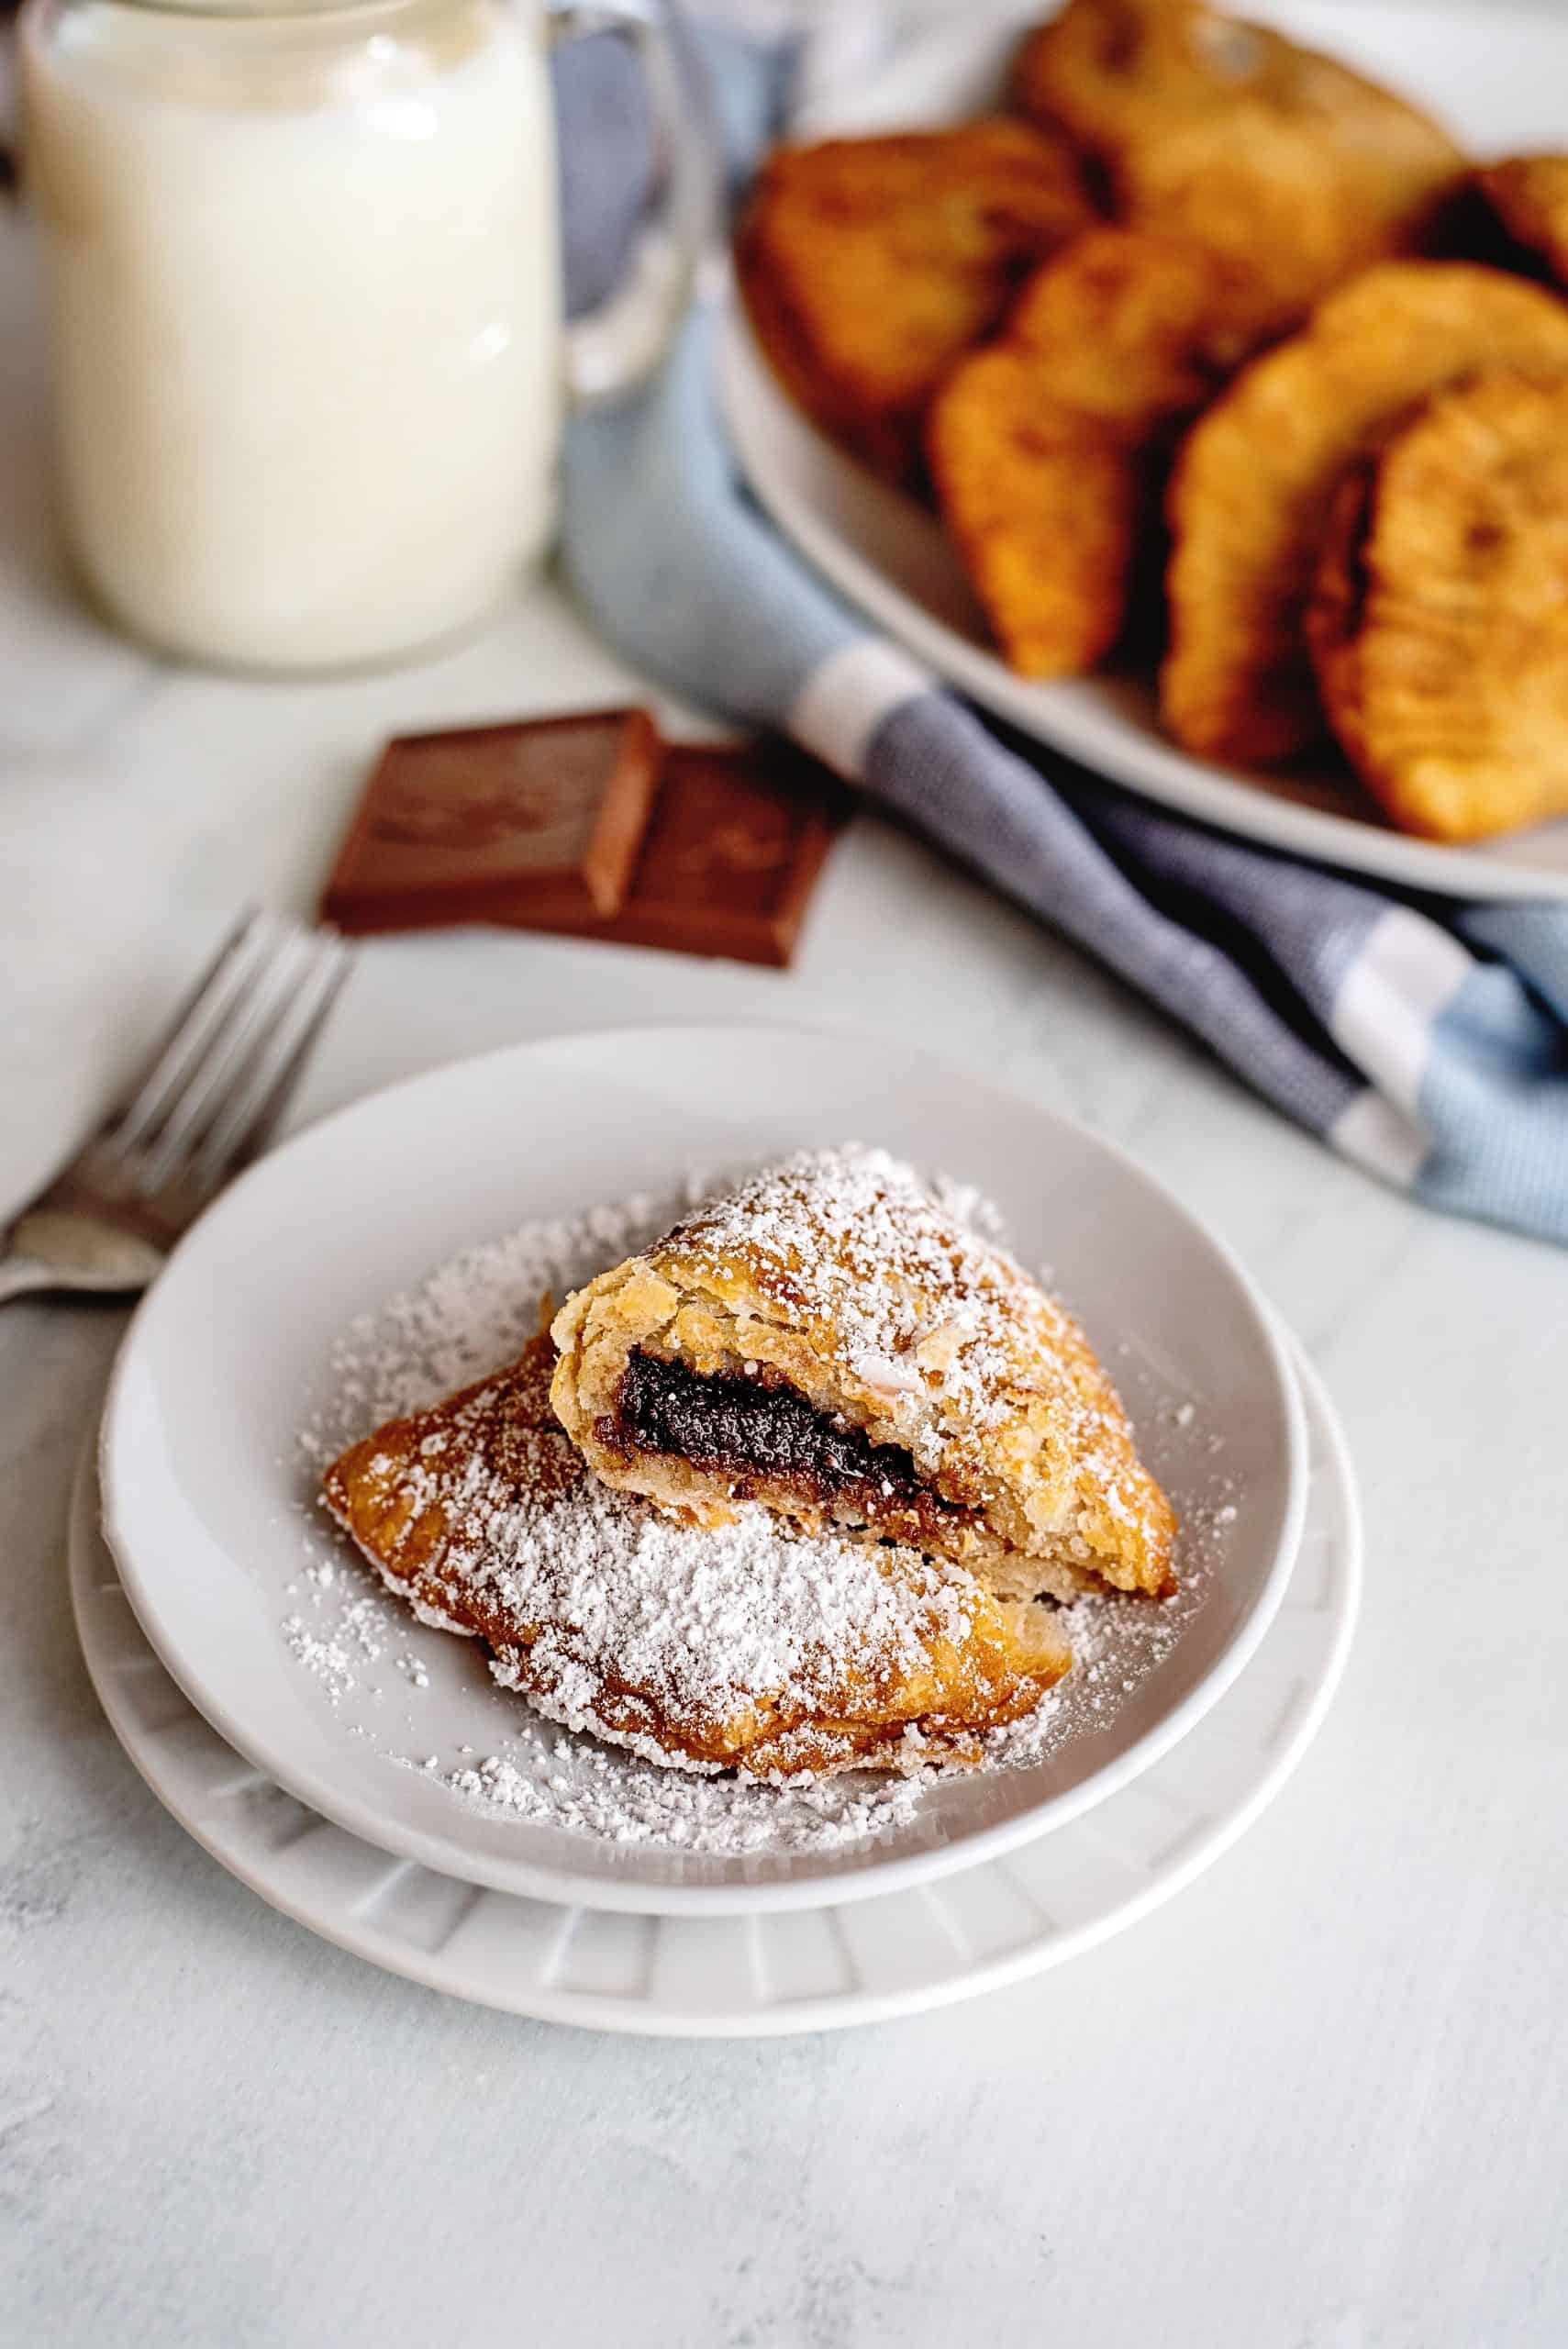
x=304 y=280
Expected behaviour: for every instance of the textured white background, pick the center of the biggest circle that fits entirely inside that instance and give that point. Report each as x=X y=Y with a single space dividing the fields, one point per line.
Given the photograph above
x=1315 y=2104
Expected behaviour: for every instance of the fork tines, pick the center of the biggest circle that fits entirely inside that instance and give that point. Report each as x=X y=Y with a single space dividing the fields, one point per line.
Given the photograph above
x=220 y=1077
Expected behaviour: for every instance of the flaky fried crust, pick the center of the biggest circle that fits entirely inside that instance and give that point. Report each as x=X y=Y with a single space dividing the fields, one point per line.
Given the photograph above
x=1336 y=608
x=1251 y=494
x=869 y=265
x=1440 y=623
x=1529 y=196
x=837 y=1277
x=1227 y=134
x=1047 y=449
x=482 y=1515
x=1137 y=329
x=1043 y=505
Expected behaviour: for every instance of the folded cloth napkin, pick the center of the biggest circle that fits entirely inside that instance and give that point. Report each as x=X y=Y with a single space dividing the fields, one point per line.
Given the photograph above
x=1428 y=1044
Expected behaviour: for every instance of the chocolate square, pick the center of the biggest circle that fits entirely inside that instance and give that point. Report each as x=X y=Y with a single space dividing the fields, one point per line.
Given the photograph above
x=738 y=837
x=537 y=822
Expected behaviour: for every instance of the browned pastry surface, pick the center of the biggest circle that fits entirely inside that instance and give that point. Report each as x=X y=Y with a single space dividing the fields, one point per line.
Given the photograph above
x=1440 y=622
x=1225 y=133
x=748 y=1645
x=833 y=1341
x=1529 y=195
x=869 y=265
x=1047 y=447
x=1256 y=477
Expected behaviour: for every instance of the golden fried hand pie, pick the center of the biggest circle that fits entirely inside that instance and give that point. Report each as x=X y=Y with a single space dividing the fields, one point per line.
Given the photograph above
x=1439 y=624
x=747 y=1646
x=1529 y=196
x=1208 y=128
x=1043 y=505
x=1250 y=495
x=1046 y=449
x=831 y=1340
x=869 y=265
x=1137 y=329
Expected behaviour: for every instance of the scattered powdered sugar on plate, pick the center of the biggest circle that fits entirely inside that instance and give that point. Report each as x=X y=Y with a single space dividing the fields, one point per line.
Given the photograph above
x=459 y=1323
x=656 y=1635
x=469 y=1316
x=559 y=1780
x=356 y=1635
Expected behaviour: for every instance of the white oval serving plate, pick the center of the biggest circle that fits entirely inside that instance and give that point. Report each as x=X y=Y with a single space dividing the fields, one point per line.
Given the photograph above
x=1498 y=75
x=203 y=1485
x=813 y=1969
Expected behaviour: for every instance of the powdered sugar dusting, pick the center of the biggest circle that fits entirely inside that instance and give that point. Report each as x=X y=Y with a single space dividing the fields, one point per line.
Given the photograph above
x=657 y=1635
x=564 y=1782
x=855 y=1240
x=948 y=1346
x=459 y=1325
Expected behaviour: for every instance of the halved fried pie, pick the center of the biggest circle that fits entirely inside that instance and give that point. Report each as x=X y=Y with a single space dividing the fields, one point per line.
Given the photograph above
x=830 y=1339
x=745 y=1645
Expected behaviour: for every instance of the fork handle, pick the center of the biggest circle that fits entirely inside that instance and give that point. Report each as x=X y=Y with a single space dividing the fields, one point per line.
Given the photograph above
x=27 y=1276
x=24 y=1276
x=60 y=1248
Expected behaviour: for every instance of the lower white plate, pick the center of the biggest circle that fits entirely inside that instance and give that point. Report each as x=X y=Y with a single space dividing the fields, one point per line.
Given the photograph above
x=759 y=1976
x=1497 y=75
x=208 y=1501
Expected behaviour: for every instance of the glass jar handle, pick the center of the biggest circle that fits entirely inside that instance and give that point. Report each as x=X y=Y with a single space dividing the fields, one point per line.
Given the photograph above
x=618 y=346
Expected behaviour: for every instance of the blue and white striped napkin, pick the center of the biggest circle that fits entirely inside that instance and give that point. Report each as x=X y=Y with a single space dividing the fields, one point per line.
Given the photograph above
x=1430 y=1047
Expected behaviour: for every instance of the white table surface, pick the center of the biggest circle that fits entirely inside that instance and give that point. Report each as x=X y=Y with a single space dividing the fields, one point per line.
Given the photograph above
x=1316 y=2103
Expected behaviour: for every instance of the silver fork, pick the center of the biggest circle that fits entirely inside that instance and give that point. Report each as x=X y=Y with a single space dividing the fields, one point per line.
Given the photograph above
x=203 y=1106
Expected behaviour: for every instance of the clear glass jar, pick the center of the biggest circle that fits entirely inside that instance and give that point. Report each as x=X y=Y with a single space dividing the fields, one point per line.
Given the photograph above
x=305 y=300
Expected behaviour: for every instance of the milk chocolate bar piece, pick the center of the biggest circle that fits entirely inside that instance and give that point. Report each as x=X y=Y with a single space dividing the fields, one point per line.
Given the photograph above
x=538 y=822
x=737 y=841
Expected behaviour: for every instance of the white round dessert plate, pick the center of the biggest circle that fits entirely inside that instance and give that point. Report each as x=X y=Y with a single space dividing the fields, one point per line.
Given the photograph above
x=810 y=1969
x=208 y=1496
x=1498 y=75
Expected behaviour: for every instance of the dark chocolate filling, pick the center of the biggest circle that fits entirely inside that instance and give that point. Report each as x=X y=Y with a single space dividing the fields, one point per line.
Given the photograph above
x=744 y=1427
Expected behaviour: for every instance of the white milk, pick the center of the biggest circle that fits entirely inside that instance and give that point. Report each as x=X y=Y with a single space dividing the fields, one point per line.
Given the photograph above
x=306 y=310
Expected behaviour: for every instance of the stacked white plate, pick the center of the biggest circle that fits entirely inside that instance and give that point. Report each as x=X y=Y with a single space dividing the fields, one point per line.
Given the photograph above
x=991 y=1876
